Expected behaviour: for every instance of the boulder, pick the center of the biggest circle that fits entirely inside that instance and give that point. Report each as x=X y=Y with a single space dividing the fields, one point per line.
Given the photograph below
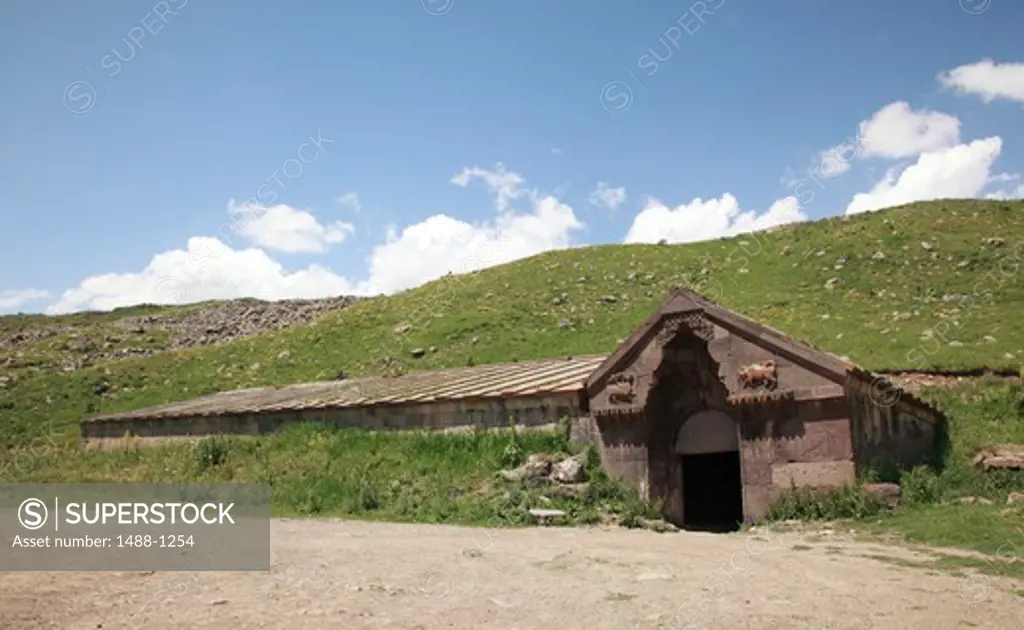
x=1015 y=497
x=570 y=470
x=535 y=466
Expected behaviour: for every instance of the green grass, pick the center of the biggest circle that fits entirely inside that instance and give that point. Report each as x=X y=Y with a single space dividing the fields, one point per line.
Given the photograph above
x=988 y=529
x=314 y=471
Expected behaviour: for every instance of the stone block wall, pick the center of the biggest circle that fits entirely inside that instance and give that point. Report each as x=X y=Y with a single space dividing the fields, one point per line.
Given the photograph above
x=538 y=412
x=795 y=444
x=891 y=434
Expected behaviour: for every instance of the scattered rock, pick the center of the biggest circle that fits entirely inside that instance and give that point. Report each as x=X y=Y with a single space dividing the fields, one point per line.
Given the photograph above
x=570 y=470
x=563 y=324
x=832 y=283
x=956 y=344
x=927 y=246
x=534 y=467
x=100 y=388
x=609 y=299
x=995 y=241
x=218 y=602
x=657 y=525
x=878 y=256
x=1006 y=457
x=284 y=355
x=545 y=516
x=403 y=329
x=1015 y=497
x=973 y=501
x=888 y=493
x=417 y=353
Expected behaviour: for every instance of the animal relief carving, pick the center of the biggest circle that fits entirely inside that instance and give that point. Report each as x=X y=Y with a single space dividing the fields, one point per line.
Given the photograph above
x=760 y=374
x=621 y=389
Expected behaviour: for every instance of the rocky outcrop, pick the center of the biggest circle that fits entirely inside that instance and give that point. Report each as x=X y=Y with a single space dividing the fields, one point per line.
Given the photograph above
x=93 y=340
x=233 y=320
x=1006 y=457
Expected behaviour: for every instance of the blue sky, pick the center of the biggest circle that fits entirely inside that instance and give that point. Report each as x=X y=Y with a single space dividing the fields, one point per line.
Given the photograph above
x=161 y=152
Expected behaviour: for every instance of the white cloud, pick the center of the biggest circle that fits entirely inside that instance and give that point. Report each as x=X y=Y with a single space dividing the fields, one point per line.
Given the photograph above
x=607 y=197
x=504 y=185
x=957 y=172
x=987 y=79
x=896 y=131
x=556 y=151
x=893 y=132
x=210 y=269
x=439 y=244
x=286 y=229
x=13 y=299
x=1012 y=192
x=351 y=201
x=702 y=220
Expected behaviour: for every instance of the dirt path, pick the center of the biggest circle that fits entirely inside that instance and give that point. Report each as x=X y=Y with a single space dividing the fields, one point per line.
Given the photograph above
x=352 y=575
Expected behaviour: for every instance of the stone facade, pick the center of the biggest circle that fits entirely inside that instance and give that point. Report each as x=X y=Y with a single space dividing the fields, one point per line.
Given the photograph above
x=804 y=419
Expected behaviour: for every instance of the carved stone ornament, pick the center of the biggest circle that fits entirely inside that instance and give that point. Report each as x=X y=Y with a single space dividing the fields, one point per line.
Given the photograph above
x=668 y=331
x=697 y=324
x=700 y=326
x=621 y=389
x=759 y=375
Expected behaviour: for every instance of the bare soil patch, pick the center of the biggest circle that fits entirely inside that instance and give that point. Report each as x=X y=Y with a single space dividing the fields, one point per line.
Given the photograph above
x=345 y=574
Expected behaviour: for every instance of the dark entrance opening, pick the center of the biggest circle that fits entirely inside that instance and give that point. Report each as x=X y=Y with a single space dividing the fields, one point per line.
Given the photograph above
x=712 y=492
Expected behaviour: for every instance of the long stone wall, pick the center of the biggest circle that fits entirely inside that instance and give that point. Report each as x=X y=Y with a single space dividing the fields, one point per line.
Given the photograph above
x=525 y=412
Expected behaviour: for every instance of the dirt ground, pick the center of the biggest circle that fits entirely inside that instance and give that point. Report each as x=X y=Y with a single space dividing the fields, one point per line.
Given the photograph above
x=352 y=575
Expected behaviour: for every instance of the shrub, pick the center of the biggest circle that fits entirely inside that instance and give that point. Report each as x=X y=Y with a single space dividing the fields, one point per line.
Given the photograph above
x=809 y=505
x=212 y=451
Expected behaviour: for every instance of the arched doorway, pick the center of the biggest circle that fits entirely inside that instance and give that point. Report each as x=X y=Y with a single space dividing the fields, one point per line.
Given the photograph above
x=708 y=445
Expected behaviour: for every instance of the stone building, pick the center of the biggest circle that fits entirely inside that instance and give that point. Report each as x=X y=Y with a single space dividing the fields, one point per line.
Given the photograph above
x=701 y=408
x=716 y=415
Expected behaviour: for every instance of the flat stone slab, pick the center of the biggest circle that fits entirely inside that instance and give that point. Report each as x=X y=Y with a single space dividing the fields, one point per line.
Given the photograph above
x=542 y=513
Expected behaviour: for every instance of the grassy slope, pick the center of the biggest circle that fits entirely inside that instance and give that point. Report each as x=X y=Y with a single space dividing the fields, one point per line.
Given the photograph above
x=513 y=311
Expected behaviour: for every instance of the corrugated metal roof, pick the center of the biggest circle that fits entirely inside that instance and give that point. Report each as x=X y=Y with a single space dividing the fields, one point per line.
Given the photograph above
x=504 y=380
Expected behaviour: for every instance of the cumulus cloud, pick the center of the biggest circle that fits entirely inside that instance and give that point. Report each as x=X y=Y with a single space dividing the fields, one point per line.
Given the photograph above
x=12 y=300
x=893 y=132
x=987 y=79
x=702 y=220
x=286 y=229
x=956 y=172
x=607 y=197
x=439 y=244
x=208 y=268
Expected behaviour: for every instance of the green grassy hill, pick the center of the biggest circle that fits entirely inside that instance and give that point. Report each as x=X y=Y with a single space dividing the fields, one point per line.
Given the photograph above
x=870 y=287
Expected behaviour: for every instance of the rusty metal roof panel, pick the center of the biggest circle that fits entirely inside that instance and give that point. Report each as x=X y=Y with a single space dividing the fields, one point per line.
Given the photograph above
x=533 y=378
